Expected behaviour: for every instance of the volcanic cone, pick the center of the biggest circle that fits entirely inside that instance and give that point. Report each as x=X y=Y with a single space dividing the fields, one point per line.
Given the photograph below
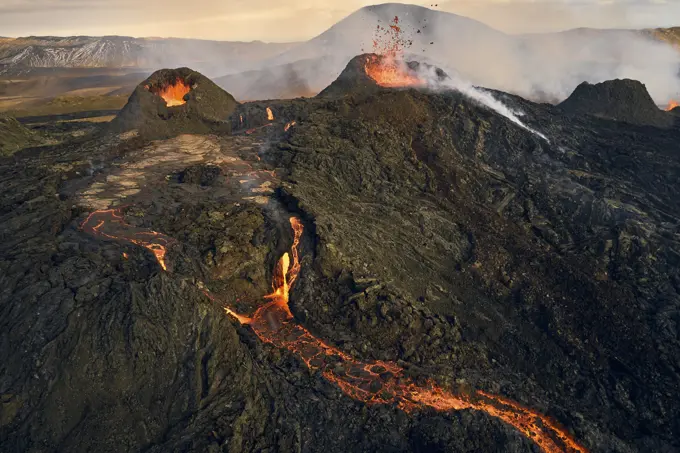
x=621 y=100
x=176 y=101
x=367 y=73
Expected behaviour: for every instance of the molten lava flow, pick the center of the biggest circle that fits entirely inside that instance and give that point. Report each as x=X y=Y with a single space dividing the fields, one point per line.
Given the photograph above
x=390 y=72
x=289 y=125
x=270 y=115
x=672 y=104
x=172 y=93
x=380 y=382
x=110 y=224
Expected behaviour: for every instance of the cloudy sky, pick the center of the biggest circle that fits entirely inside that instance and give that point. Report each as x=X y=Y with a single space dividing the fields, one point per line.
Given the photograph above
x=290 y=20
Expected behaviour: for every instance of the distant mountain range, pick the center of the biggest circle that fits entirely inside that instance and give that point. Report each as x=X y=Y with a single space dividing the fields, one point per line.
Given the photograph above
x=218 y=57
x=544 y=66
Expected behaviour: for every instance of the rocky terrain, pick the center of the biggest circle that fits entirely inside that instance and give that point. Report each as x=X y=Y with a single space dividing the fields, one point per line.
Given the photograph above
x=14 y=136
x=463 y=285
x=621 y=100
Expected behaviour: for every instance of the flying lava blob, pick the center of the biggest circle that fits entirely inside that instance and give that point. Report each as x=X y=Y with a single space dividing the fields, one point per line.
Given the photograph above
x=381 y=382
x=109 y=223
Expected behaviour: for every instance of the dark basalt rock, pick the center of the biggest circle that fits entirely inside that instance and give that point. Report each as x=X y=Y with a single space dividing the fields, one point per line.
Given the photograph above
x=204 y=175
x=253 y=115
x=206 y=110
x=438 y=234
x=621 y=100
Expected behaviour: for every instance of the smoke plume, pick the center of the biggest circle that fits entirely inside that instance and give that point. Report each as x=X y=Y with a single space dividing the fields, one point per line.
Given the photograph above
x=540 y=67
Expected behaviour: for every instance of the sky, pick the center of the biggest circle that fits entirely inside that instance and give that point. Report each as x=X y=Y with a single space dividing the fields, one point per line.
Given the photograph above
x=295 y=20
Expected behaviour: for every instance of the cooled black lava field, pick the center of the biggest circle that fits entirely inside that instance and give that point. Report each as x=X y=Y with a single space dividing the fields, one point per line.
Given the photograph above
x=371 y=270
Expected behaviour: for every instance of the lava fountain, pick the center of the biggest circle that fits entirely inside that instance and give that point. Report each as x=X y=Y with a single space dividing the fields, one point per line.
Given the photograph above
x=380 y=382
x=672 y=104
x=109 y=223
x=172 y=93
x=387 y=68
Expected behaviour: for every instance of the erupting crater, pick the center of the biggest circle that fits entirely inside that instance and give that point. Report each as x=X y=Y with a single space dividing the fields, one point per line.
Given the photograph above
x=672 y=104
x=386 y=67
x=390 y=72
x=172 y=102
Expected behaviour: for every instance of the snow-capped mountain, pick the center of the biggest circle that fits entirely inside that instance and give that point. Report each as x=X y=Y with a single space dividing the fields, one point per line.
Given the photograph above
x=122 y=51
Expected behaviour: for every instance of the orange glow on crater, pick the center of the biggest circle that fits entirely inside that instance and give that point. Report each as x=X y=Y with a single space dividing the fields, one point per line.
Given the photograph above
x=172 y=93
x=390 y=72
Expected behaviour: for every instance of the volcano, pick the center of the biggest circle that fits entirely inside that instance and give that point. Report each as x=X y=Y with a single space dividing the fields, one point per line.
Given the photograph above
x=368 y=73
x=385 y=267
x=621 y=100
x=175 y=101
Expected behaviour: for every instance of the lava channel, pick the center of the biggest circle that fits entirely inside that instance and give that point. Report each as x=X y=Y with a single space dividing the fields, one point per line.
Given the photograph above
x=381 y=382
x=109 y=223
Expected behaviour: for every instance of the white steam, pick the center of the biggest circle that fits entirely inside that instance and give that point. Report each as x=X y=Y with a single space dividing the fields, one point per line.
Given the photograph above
x=453 y=82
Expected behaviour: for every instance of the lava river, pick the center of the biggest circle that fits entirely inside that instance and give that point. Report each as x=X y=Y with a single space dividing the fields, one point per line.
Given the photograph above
x=374 y=382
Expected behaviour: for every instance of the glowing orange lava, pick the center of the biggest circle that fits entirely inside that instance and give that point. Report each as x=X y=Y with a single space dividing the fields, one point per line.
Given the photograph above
x=289 y=125
x=172 y=93
x=270 y=115
x=110 y=224
x=390 y=72
x=672 y=104
x=380 y=382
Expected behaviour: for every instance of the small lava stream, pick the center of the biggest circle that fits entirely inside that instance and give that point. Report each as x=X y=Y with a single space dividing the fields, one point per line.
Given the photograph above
x=109 y=223
x=375 y=382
